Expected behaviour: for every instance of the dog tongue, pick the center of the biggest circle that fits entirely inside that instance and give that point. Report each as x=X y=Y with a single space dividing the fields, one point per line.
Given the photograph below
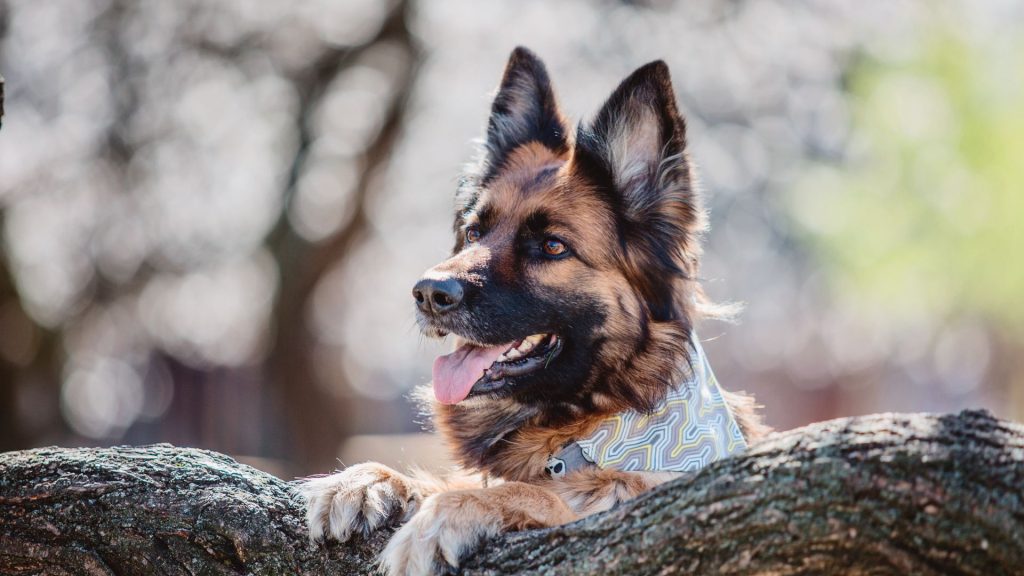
x=455 y=373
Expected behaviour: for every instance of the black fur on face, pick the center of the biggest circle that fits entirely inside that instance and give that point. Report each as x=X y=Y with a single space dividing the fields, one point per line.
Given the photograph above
x=574 y=318
x=623 y=301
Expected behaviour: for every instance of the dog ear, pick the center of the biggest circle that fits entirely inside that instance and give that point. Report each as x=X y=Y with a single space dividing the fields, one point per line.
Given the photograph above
x=524 y=110
x=639 y=139
x=635 y=149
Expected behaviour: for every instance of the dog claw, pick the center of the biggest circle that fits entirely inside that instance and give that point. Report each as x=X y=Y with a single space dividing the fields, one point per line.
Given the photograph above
x=360 y=499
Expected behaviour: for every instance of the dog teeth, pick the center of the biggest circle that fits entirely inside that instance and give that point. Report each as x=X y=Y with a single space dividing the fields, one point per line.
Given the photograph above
x=526 y=345
x=532 y=341
x=510 y=354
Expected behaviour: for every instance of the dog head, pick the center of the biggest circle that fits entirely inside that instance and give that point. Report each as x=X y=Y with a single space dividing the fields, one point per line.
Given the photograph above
x=572 y=279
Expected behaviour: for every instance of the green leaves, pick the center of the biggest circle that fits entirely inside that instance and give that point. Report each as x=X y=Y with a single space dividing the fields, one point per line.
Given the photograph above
x=927 y=215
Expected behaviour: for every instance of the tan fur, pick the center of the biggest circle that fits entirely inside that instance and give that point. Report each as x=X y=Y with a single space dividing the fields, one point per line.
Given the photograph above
x=745 y=410
x=367 y=496
x=588 y=225
x=595 y=490
x=526 y=456
x=451 y=524
x=637 y=146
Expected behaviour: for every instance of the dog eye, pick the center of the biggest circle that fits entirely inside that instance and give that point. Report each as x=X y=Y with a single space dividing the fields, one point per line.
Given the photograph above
x=554 y=247
x=472 y=235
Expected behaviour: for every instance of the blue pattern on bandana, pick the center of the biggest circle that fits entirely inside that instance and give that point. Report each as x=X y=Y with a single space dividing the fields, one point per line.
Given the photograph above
x=688 y=430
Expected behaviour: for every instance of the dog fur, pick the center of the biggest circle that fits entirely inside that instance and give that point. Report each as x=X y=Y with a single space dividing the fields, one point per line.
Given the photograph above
x=619 y=195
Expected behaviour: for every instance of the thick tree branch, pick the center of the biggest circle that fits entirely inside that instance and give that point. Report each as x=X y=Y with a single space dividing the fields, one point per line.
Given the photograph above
x=880 y=494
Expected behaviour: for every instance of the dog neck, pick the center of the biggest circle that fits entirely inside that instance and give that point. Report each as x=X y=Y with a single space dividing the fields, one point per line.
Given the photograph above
x=481 y=435
x=507 y=439
x=692 y=427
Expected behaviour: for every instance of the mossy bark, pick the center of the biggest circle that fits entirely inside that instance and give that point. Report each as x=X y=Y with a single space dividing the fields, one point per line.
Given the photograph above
x=885 y=494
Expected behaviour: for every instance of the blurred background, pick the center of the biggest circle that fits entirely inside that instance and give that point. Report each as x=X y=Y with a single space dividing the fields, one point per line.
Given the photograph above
x=212 y=213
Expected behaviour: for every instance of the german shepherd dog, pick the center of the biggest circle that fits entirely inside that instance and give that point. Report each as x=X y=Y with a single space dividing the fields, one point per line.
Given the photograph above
x=571 y=295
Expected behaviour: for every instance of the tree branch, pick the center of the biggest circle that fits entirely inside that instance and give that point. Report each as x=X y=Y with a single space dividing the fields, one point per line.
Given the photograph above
x=891 y=493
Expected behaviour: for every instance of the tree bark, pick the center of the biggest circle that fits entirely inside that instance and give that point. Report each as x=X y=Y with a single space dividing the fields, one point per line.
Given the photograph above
x=884 y=494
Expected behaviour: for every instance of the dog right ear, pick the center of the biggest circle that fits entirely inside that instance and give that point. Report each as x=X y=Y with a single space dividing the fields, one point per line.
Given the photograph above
x=635 y=150
x=524 y=110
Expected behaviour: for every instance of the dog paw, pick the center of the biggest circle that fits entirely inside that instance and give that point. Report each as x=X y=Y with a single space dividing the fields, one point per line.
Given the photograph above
x=448 y=527
x=361 y=498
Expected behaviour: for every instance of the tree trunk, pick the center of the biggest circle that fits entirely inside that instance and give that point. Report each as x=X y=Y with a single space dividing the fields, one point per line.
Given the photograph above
x=885 y=494
x=316 y=421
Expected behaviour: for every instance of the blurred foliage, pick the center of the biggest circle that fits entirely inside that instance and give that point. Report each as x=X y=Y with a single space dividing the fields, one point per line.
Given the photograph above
x=925 y=220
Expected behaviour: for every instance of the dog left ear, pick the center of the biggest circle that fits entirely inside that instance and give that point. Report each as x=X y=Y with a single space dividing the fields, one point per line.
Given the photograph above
x=635 y=148
x=524 y=110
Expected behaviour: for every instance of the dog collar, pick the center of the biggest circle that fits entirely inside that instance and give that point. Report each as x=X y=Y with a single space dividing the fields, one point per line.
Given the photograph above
x=688 y=430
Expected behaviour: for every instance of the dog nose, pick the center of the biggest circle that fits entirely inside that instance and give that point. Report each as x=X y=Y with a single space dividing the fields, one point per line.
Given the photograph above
x=437 y=296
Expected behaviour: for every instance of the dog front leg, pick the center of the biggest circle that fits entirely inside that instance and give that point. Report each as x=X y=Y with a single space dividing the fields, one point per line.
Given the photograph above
x=595 y=490
x=364 y=497
x=450 y=525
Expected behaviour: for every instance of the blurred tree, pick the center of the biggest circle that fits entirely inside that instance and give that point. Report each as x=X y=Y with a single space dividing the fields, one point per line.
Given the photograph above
x=316 y=420
x=923 y=223
x=11 y=436
x=160 y=239
x=933 y=199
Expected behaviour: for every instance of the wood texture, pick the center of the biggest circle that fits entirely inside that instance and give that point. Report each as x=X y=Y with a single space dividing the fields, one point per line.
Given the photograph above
x=884 y=494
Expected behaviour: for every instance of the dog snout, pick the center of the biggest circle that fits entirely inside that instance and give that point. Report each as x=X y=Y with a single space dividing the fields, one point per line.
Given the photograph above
x=437 y=296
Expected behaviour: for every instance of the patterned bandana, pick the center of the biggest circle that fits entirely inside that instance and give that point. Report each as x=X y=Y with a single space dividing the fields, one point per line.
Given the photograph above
x=691 y=428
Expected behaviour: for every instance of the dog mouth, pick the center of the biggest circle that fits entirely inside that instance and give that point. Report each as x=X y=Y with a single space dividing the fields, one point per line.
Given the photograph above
x=476 y=369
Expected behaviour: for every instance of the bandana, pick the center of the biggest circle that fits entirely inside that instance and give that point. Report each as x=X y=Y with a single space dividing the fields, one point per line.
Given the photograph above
x=688 y=430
